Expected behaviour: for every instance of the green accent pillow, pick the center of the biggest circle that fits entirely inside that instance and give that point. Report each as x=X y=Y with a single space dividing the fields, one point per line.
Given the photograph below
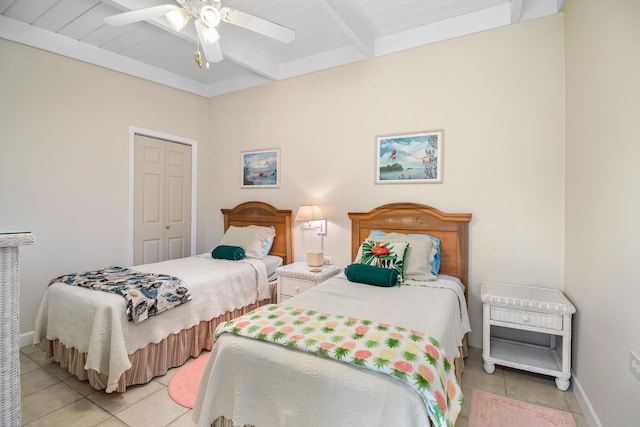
x=385 y=255
x=233 y=253
x=371 y=275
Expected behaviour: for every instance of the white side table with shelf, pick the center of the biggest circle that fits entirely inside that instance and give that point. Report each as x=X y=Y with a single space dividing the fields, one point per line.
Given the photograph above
x=543 y=310
x=297 y=277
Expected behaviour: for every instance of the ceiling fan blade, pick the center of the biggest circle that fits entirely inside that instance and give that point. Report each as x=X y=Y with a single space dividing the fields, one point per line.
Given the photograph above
x=140 y=14
x=258 y=25
x=212 y=52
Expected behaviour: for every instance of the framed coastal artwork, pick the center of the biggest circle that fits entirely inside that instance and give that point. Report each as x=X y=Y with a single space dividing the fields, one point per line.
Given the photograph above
x=412 y=158
x=261 y=169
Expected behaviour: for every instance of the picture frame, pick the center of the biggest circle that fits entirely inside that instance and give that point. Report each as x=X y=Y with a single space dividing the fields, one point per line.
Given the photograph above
x=412 y=158
x=260 y=168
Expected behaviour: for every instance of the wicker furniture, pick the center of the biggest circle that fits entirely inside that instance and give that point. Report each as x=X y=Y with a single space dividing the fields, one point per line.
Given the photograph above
x=543 y=310
x=297 y=277
x=9 y=326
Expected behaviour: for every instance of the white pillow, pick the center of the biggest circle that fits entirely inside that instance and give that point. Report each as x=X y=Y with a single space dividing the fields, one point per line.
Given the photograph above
x=253 y=239
x=417 y=260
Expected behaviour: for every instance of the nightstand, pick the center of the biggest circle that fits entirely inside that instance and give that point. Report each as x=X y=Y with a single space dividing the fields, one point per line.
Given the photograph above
x=297 y=277
x=543 y=310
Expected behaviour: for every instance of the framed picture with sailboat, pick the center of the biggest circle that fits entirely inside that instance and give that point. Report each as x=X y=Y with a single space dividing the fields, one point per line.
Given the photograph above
x=412 y=158
x=261 y=169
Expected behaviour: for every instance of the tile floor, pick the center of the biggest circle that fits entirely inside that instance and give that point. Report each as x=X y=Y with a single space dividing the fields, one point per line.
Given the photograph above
x=53 y=397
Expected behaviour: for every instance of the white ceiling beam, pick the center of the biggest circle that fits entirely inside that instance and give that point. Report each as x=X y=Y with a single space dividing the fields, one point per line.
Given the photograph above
x=516 y=10
x=533 y=9
x=351 y=25
x=126 y=6
x=560 y=4
x=250 y=58
x=31 y=35
x=461 y=25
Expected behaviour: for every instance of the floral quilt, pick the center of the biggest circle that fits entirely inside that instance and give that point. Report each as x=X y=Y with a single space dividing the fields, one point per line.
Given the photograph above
x=147 y=294
x=408 y=355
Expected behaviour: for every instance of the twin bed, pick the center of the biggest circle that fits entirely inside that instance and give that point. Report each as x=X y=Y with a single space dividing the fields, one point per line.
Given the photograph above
x=256 y=382
x=263 y=381
x=88 y=333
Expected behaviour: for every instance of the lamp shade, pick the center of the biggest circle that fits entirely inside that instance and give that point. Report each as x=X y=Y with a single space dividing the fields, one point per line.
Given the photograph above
x=309 y=213
x=205 y=33
x=178 y=18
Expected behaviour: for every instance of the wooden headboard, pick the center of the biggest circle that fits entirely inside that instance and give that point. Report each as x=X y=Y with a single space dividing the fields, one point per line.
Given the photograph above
x=451 y=229
x=259 y=213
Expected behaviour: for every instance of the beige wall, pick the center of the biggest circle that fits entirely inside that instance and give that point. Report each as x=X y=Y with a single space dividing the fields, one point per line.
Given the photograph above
x=498 y=95
x=64 y=160
x=602 y=203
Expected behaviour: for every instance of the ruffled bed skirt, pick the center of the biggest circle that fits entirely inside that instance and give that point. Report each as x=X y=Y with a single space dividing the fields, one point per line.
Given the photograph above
x=156 y=358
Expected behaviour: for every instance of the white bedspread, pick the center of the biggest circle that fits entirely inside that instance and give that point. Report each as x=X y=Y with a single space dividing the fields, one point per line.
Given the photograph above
x=268 y=385
x=95 y=322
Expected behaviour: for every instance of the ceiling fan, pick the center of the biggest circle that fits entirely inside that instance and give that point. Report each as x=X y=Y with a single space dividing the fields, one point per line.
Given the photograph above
x=207 y=14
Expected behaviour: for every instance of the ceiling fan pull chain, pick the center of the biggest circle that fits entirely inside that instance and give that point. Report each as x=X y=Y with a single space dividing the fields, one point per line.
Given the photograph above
x=197 y=56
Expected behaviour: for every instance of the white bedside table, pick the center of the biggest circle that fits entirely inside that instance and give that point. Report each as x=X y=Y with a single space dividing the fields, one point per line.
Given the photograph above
x=543 y=310
x=296 y=278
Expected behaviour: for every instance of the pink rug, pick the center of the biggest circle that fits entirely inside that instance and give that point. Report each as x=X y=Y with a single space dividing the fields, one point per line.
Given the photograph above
x=183 y=386
x=491 y=410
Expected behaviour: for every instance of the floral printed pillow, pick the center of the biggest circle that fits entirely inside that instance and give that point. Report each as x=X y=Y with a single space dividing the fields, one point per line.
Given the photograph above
x=386 y=255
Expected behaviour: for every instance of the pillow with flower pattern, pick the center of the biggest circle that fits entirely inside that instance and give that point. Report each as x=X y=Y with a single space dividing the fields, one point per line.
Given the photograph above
x=386 y=255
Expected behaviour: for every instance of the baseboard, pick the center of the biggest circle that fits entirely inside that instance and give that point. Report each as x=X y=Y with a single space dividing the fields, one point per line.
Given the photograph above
x=584 y=402
x=26 y=339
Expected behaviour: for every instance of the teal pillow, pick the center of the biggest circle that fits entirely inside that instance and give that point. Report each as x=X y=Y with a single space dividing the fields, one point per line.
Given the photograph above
x=233 y=253
x=386 y=255
x=370 y=275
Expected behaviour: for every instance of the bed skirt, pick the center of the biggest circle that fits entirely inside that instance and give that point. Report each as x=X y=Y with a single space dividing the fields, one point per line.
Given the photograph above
x=156 y=358
x=458 y=363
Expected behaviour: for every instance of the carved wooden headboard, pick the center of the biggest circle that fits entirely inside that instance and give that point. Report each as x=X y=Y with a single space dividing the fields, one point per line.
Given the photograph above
x=451 y=229
x=260 y=213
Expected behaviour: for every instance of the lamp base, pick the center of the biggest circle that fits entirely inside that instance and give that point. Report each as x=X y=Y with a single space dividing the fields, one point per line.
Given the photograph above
x=315 y=258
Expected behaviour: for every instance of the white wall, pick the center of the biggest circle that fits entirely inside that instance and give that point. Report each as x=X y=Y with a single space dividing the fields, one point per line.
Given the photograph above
x=64 y=160
x=602 y=203
x=498 y=95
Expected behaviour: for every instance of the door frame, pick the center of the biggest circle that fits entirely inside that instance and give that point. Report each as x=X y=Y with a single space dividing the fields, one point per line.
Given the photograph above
x=133 y=131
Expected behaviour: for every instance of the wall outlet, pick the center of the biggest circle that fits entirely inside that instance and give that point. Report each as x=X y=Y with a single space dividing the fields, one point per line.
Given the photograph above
x=328 y=260
x=634 y=364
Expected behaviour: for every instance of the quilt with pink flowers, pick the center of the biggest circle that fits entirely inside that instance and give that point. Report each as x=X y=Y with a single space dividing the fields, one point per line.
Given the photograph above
x=408 y=355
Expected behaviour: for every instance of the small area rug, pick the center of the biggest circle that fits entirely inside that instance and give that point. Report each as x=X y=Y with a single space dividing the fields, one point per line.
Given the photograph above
x=183 y=386
x=491 y=410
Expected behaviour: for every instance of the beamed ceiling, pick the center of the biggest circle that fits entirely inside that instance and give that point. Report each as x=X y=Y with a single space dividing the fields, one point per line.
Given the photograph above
x=329 y=33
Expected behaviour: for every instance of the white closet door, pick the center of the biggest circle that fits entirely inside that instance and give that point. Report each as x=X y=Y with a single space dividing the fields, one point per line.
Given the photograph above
x=178 y=195
x=162 y=200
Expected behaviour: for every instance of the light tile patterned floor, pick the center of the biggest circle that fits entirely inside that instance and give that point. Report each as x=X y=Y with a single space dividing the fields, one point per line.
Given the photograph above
x=52 y=397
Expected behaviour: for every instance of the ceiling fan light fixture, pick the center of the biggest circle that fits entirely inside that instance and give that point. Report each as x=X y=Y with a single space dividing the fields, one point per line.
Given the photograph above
x=178 y=18
x=210 y=16
x=206 y=33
